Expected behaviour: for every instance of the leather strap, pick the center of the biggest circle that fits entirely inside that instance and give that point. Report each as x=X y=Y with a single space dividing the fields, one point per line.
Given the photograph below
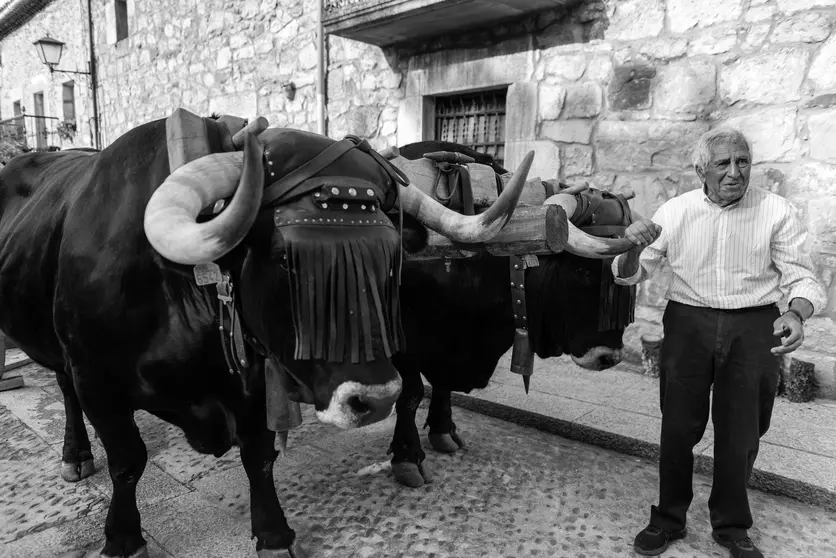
x=286 y=187
x=549 y=187
x=589 y=207
x=517 y=269
x=458 y=179
x=294 y=184
x=232 y=336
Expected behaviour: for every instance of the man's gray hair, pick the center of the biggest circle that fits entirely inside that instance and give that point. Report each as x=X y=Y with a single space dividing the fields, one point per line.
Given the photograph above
x=702 y=153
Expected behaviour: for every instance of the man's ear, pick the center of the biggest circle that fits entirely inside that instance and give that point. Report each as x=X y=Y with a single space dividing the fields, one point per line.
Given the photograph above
x=700 y=173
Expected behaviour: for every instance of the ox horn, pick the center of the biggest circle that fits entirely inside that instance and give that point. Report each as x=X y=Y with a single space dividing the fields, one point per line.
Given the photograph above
x=171 y=213
x=467 y=228
x=583 y=244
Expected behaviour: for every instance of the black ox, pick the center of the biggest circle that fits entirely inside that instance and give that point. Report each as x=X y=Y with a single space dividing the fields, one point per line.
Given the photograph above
x=97 y=282
x=459 y=317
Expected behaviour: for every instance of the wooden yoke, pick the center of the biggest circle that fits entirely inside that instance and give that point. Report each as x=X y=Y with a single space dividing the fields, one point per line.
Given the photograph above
x=191 y=137
x=534 y=229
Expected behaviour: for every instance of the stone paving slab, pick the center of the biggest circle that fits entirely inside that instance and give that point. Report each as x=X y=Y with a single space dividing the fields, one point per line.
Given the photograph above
x=513 y=492
x=796 y=459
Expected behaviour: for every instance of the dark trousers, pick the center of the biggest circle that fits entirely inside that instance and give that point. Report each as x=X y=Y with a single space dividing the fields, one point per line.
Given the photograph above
x=730 y=349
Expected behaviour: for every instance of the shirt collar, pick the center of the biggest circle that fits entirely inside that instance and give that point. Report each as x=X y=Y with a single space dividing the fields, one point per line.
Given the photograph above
x=731 y=206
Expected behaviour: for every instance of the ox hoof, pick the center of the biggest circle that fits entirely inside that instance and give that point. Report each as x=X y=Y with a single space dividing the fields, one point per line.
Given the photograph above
x=74 y=472
x=141 y=553
x=446 y=443
x=296 y=550
x=412 y=475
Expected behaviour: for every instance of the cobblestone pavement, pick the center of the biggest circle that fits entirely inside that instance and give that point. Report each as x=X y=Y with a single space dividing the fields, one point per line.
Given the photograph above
x=512 y=492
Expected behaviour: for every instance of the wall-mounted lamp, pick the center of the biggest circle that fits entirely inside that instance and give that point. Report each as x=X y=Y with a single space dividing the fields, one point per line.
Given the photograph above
x=50 y=51
x=289 y=90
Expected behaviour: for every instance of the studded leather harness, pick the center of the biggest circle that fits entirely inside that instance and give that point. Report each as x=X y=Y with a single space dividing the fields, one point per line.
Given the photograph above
x=352 y=202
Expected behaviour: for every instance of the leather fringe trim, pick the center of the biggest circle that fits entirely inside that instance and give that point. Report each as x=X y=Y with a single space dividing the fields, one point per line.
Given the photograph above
x=344 y=297
x=617 y=306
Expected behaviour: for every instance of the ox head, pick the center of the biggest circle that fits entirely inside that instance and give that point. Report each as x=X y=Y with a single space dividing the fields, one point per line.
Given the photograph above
x=313 y=259
x=578 y=309
x=573 y=305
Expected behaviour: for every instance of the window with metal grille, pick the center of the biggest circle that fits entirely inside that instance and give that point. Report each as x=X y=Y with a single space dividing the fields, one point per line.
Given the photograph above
x=476 y=120
x=121 y=8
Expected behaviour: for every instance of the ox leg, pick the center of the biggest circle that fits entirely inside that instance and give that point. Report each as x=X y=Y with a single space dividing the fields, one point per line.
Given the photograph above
x=113 y=420
x=408 y=464
x=443 y=436
x=275 y=538
x=77 y=458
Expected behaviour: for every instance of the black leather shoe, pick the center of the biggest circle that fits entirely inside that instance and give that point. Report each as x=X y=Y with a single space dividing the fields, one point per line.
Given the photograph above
x=653 y=541
x=740 y=548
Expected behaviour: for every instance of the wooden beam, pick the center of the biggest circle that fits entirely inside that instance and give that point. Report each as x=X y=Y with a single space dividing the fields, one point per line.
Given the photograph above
x=533 y=230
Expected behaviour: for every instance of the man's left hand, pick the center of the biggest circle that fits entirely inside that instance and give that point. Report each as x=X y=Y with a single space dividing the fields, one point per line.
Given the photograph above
x=791 y=331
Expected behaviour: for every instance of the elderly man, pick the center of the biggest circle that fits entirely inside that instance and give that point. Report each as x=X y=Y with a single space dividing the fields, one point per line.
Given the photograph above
x=733 y=250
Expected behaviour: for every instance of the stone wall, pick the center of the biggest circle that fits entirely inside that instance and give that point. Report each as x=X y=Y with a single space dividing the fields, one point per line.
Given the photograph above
x=766 y=67
x=618 y=93
x=209 y=56
x=614 y=92
x=22 y=74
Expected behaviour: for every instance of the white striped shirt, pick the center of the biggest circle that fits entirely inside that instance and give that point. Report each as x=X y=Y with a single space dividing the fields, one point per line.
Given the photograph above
x=740 y=256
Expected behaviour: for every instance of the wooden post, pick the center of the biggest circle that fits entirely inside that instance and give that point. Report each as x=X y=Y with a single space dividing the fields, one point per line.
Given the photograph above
x=801 y=385
x=651 y=348
x=9 y=380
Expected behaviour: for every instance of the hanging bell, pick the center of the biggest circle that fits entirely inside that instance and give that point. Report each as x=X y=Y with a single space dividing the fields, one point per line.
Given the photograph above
x=283 y=414
x=522 y=357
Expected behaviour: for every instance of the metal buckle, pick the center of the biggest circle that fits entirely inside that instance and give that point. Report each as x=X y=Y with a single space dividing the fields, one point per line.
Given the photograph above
x=225 y=288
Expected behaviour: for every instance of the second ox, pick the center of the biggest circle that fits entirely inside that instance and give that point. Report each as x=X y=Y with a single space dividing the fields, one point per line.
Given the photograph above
x=460 y=316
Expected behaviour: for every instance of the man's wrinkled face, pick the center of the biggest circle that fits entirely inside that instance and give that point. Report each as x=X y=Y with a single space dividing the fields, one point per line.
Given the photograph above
x=726 y=176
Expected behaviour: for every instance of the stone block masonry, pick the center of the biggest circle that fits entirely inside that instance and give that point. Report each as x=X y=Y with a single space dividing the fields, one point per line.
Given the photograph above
x=614 y=93
x=626 y=108
x=213 y=56
x=765 y=67
x=22 y=75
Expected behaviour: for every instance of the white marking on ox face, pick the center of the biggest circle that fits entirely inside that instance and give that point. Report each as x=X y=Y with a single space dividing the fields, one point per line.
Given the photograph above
x=599 y=358
x=354 y=404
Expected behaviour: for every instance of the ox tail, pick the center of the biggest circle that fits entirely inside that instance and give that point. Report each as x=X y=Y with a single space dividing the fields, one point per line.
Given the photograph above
x=345 y=300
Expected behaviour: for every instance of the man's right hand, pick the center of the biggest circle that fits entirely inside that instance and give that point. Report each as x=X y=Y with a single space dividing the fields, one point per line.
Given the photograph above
x=643 y=232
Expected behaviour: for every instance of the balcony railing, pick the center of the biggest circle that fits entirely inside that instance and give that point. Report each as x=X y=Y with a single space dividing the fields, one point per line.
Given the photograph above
x=388 y=22
x=30 y=131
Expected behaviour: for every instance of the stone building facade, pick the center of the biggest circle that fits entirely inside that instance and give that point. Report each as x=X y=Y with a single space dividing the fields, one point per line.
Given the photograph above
x=23 y=76
x=614 y=92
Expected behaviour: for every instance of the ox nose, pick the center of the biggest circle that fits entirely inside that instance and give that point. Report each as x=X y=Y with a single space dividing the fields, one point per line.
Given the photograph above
x=371 y=409
x=609 y=360
x=599 y=358
x=354 y=404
